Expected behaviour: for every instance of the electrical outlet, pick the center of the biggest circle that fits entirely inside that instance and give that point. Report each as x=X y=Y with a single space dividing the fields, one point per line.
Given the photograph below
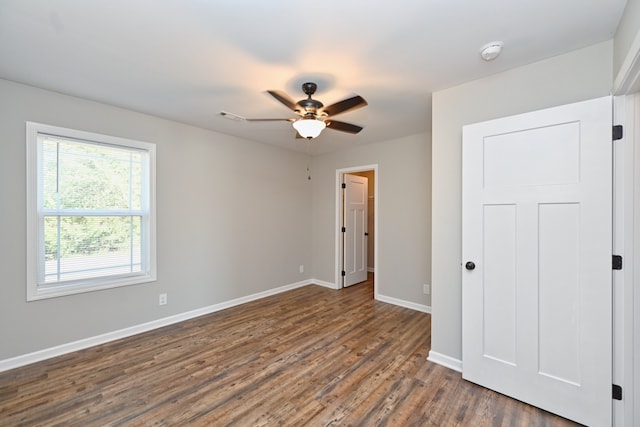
x=162 y=299
x=301 y=268
x=426 y=289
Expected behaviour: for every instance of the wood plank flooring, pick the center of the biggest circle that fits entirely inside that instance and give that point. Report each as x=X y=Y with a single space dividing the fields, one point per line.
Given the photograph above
x=308 y=357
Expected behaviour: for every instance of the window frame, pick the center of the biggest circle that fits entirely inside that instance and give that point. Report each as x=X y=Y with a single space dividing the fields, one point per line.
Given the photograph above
x=35 y=230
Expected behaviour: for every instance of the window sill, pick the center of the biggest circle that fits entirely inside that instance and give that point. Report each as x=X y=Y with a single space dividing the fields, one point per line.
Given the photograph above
x=36 y=293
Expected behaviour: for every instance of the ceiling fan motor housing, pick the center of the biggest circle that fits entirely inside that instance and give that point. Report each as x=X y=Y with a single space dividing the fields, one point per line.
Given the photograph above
x=309 y=106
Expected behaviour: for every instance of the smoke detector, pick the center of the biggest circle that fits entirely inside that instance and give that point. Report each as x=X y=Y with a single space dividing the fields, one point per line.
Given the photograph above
x=490 y=51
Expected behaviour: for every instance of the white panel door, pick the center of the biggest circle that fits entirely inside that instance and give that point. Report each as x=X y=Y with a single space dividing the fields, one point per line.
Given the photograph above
x=537 y=228
x=355 y=223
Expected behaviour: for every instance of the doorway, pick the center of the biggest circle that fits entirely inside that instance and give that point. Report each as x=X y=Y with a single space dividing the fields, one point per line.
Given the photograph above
x=371 y=173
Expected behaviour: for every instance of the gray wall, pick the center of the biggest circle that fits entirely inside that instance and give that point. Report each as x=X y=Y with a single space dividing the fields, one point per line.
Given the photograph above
x=576 y=76
x=404 y=207
x=233 y=219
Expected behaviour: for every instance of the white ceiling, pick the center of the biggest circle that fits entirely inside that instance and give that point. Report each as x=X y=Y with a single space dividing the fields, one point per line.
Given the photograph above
x=187 y=60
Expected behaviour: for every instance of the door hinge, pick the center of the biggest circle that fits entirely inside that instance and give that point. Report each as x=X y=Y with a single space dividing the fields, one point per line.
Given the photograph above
x=344 y=185
x=344 y=273
x=616 y=392
x=344 y=229
x=617 y=133
x=616 y=262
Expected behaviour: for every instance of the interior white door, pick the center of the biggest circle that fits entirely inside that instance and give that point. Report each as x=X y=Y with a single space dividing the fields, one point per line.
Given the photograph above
x=355 y=229
x=537 y=227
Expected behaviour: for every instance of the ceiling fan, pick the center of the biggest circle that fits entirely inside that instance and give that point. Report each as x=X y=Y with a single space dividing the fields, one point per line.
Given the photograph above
x=314 y=116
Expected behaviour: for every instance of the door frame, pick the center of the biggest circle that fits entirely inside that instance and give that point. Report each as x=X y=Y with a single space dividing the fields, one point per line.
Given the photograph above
x=626 y=222
x=626 y=242
x=338 y=222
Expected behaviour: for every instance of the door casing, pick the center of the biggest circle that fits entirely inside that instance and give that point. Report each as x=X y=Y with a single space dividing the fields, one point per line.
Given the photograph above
x=626 y=242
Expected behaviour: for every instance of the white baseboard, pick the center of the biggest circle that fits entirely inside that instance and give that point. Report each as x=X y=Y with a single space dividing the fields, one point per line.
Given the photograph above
x=446 y=361
x=37 y=356
x=323 y=283
x=371 y=269
x=403 y=303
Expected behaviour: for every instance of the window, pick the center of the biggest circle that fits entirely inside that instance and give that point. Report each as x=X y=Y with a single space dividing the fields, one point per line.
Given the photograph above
x=90 y=211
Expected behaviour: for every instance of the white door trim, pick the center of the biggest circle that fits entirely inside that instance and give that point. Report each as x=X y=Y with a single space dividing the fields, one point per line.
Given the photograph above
x=625 y=109
x=626 y=242
x=338 y=233
x=634 y=259
x=626 y=222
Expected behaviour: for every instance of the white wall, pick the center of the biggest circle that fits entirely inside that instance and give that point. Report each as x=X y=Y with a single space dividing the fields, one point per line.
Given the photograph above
x=576 y=76
x=234 y=219
x=404 y=207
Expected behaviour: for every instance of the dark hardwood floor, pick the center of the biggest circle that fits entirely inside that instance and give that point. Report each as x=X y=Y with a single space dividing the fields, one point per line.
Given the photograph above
x=308 y=357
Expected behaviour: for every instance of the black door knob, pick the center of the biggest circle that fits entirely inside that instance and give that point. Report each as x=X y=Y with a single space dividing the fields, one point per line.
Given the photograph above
x=470 y=265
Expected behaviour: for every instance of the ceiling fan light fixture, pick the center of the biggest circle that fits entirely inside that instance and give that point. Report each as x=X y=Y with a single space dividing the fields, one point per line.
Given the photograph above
x=309 y=127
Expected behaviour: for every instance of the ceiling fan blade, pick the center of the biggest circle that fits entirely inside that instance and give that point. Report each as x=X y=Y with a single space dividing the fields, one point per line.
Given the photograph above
x=237 y=118
x=345 y=105
x=270 y=120
x=342 y=126
x=284 y=99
